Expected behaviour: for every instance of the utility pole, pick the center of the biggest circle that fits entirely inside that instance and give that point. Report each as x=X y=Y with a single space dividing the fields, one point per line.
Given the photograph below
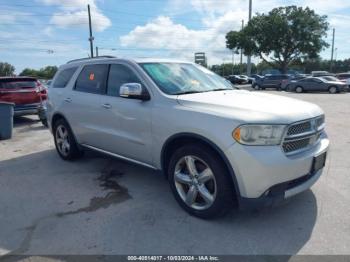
x=96 y=52
x=91 y=38
x=233 y=60
x=249 y=59
x=223 y=67
x=241 y=61
x=331 y=69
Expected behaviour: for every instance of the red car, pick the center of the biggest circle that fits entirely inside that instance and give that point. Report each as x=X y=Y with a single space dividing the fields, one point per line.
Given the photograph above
x=27 y=93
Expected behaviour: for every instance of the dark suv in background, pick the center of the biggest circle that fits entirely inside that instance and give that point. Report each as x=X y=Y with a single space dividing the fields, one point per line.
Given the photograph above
x=270 y=81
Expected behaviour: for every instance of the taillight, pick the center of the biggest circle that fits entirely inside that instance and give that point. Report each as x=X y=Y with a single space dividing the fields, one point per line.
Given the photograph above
x=41 y=90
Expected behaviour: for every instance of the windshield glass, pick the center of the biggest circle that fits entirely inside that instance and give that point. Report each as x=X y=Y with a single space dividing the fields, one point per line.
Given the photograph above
x=183 y=78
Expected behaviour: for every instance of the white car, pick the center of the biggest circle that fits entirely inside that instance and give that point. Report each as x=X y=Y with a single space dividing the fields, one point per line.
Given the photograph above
x=218 y=146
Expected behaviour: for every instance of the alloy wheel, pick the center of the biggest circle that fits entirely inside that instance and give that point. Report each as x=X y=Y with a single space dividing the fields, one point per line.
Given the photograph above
x=62 y=140
x=299 y=89
x=195 y=182
x=333 y=90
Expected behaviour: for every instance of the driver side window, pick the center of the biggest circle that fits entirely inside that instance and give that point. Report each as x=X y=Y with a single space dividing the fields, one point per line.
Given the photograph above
x=119 y=75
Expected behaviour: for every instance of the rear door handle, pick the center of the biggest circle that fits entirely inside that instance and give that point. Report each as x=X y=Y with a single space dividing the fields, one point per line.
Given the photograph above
x=107 y=106
x=68 y=100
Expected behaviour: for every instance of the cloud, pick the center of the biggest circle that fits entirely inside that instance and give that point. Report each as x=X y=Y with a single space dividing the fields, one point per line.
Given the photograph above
x=217 y=18
x=48 y=31
x=74 y=13
x=180 y=41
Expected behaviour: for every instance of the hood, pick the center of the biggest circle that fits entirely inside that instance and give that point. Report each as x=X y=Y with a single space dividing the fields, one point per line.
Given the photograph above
x=250 y=107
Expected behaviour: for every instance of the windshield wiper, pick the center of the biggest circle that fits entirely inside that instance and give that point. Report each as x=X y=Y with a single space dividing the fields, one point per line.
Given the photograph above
x=188 y=92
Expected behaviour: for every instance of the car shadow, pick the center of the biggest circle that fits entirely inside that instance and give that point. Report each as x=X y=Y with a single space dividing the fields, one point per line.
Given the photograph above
x=49 y=186
x=23 y=121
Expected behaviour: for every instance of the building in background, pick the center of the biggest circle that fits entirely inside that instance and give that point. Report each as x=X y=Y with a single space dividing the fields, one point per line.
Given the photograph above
x=200 y=58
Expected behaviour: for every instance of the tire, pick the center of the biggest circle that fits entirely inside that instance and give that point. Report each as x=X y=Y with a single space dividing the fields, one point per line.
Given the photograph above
x=256 y=87
x=333 y=90
x=65 y=142
x=299 y=89
x=208 y=194
x=44 y=122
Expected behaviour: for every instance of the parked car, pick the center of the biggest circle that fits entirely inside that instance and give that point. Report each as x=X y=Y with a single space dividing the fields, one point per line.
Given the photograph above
x=248 y=79
x=237 y=80
x=48 y=83
x=321 y=73
x=318 y=84
x=27 y=93
x=286 y=82
x=270 y=81
x=344 y=77
x=217 y=146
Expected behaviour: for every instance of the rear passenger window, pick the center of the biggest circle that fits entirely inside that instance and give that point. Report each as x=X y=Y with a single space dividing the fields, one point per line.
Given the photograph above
x=119 y=75
x=92 y=79
x=63 y=77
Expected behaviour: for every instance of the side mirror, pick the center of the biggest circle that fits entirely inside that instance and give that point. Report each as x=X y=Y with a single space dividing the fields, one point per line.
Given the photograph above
x=134 y=91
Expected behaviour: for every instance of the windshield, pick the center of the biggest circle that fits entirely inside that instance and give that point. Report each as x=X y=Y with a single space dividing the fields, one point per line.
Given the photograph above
x=183 y=78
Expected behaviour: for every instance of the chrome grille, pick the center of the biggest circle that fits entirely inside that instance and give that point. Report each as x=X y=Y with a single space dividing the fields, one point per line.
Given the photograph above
x=295 y=145
x=299 y=128
x=302 y=135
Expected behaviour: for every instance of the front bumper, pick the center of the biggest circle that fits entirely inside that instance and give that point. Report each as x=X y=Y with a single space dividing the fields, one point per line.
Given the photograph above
x=278 y=193
x=264 y=174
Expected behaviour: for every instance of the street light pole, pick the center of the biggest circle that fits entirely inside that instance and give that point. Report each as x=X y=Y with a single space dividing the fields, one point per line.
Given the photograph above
x=249 y=59
x=241 y=60
x=331 y=69
x=233 y=60
x=91 y=38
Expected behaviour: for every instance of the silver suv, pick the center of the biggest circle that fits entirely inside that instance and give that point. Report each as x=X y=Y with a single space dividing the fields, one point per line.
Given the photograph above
x=219 y=147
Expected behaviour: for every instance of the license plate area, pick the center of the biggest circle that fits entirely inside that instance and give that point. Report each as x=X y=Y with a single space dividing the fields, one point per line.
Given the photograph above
x=318 y=162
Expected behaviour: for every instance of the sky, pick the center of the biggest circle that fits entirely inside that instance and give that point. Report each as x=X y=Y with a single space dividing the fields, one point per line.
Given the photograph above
x=37 y=33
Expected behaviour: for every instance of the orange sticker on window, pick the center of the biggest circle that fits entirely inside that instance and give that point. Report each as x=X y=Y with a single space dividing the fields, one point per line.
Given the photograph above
x=92 y=76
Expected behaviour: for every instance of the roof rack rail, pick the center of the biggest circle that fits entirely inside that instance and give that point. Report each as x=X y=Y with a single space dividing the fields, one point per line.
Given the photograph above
x=88 y=58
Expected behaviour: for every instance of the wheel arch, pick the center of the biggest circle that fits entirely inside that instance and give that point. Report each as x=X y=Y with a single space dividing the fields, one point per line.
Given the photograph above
x=177 y=140
x=56 y=117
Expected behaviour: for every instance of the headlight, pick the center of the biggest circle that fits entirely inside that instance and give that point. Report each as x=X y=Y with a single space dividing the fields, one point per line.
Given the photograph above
x=259 y=134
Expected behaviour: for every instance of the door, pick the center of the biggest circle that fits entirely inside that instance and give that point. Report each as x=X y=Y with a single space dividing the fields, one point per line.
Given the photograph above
x=314 y=84
x=82 y=105
x=127 y=128
x=269 y=81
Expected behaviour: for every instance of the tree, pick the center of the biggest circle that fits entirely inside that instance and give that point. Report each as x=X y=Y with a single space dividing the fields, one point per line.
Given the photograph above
x=282 y=36
x=226 y=69
x=47 y=72
x=6 y=69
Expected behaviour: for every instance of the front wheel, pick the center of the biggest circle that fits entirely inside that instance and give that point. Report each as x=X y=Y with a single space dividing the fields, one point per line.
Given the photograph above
x=256 y=87
x=200 y=182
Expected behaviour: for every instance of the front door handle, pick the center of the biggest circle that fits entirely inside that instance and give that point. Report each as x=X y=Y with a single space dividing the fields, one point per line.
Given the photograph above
x=68 y=100
x=107 y=106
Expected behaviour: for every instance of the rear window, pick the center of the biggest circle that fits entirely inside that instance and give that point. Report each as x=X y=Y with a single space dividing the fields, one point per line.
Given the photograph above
x=63 y=77
x=17 y=83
